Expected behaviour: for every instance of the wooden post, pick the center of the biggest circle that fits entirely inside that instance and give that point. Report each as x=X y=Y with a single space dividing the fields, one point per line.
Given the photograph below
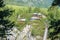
x=46 y=31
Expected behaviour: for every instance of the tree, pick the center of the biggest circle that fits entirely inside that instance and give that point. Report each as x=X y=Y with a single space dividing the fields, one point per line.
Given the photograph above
x=54 y=20
x=1 y=3
x=36 y=9
x=56 y=2
x=5 y=23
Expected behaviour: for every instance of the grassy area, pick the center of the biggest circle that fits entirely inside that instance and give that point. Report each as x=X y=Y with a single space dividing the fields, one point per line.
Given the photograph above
x=38 y=28
x=26 y=12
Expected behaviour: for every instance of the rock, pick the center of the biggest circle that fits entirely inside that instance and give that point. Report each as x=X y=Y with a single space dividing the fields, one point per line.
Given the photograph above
x=39 y=14
x=35 y=14
x=39 y=37
x=23 y=19
x=34 y=18
x=24 y=32
x=43 y=16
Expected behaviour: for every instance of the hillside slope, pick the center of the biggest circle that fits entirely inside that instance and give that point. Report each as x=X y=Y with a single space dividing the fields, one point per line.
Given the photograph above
x=36 y=3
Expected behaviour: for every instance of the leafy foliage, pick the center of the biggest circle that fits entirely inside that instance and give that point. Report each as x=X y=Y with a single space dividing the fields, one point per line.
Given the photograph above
x=1 y=3
x=54 y=19
x=5 y=23
x=56 y=2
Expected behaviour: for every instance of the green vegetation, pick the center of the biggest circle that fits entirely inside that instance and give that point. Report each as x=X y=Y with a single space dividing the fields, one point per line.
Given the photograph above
x=24 y=12
x=27 y=12
x=54 y=18
x=9 y=16
x=38 y=28
x=5 y=23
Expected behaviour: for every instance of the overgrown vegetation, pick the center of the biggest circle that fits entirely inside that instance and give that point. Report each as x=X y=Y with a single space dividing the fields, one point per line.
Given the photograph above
x=54 y=21
x=24 y=12
x=5 y=23
x=9 y=18
x=27 y=12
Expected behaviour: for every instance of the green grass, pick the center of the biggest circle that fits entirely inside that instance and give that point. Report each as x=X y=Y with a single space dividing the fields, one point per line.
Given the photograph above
x=38 y=26
x=37 y=29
